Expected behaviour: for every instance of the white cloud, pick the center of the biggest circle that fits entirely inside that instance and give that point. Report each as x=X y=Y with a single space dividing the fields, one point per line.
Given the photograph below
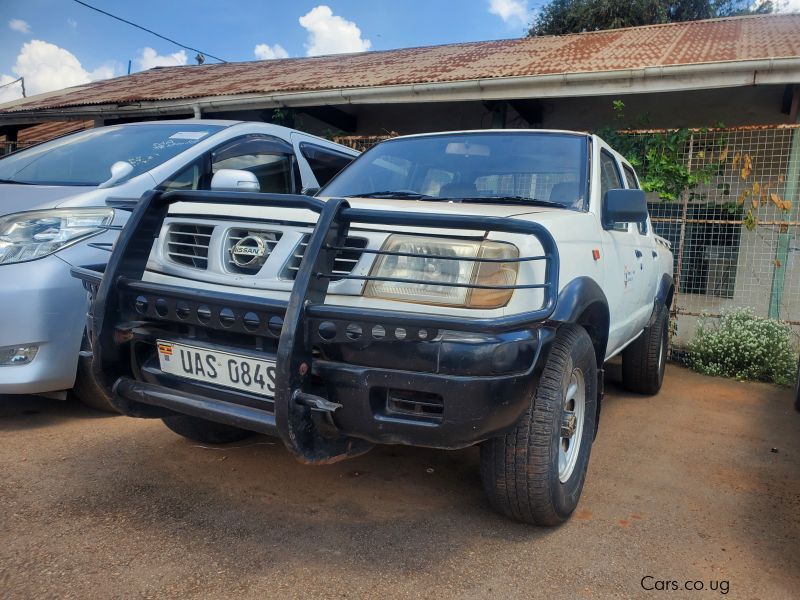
x=72 y=23
x=513 y=12
x=19 y=25
x=267 y=52
x=331 y=34
x=46 y=67
x=788 y=6
x=150 y=58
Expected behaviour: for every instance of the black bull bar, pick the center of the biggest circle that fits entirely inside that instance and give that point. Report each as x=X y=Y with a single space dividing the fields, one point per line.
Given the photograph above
x=295 y=407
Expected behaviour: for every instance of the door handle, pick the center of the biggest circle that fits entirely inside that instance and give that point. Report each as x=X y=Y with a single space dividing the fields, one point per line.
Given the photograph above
x=638 y=253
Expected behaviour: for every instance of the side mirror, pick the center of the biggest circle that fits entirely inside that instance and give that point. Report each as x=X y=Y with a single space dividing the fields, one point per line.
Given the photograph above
x=624 y=206
x=310 y=191
x=119 y=170
x=234 y=180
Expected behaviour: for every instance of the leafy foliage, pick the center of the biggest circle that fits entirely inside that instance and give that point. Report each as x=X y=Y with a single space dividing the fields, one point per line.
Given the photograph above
x=659 y=158
x=575 y=16
x=741 y=345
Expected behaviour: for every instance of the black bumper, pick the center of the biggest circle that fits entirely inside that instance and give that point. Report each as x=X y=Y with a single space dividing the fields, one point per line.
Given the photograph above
x=462 y=392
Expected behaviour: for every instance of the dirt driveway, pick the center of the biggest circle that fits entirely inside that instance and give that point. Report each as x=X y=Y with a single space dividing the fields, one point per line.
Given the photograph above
x=682 y=487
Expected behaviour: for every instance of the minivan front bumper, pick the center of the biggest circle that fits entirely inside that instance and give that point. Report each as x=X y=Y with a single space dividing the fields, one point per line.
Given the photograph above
x=42 y=306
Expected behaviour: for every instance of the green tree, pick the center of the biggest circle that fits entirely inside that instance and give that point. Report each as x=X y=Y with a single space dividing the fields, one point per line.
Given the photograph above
x=574 y=16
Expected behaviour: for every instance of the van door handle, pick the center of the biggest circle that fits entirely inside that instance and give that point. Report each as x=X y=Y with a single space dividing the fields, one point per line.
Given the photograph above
x=638 y=253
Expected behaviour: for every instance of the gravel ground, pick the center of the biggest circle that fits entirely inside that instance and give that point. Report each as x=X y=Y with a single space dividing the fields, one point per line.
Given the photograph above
x=683 y=487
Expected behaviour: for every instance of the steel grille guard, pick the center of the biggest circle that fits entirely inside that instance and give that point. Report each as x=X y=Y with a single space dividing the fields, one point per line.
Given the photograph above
x=305 y=436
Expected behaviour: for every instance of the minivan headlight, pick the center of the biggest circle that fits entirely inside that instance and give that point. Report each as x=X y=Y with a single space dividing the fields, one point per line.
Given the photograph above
x=35 y=234
x=434 y=272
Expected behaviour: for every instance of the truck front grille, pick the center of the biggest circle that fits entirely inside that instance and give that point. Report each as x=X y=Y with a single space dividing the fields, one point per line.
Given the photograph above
x=343 y=265
x=187 y=244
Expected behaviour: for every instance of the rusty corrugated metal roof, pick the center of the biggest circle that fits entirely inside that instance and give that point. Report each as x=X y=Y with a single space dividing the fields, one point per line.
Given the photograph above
x=697 y=42
x=50 y=130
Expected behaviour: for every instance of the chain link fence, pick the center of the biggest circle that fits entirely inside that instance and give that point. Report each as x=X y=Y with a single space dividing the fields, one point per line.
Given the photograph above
x=736 y=237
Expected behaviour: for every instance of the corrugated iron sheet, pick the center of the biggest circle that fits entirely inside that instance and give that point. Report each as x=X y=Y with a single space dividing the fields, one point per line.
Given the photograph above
x=718 y=40
x=51 y=129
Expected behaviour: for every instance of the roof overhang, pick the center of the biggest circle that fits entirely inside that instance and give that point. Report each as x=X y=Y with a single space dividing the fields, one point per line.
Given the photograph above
x=673 y=78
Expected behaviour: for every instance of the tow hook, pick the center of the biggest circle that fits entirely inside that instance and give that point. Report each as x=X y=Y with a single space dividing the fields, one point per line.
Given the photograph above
x=315 y=402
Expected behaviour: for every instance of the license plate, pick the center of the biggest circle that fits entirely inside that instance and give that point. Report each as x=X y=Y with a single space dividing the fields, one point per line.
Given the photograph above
x=221 y=368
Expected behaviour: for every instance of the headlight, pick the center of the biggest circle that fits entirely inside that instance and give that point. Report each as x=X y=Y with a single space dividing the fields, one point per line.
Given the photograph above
x=435 y=271
x=35 y=234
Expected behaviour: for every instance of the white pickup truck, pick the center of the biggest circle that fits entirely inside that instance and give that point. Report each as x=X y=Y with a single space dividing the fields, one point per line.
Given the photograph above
x=444 y=290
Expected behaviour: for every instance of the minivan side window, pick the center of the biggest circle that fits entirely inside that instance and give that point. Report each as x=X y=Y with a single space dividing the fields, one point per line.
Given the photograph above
x=610 y=180
x=269 y=161
x=269 y=158
x=325 y=163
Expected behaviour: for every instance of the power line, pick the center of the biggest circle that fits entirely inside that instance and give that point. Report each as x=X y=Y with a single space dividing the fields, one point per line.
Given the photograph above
x=21 y=81
x=108 y=14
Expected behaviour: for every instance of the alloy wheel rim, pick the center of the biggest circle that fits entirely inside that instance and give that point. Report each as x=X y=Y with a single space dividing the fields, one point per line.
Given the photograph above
x=573 y=413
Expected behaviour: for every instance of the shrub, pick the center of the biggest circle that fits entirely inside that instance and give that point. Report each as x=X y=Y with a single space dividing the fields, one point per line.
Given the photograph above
x=741 y=345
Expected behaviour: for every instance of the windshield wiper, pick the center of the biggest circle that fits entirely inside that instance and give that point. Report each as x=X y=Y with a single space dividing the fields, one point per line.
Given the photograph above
x=509 y=200
x=393 y=194
x=14 y=181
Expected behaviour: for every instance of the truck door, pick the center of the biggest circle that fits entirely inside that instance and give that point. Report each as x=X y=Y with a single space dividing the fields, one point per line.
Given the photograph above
x=650 y=264
x=624 y=263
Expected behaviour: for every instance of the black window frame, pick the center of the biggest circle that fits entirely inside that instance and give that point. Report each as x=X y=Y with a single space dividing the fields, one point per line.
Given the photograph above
x=320 y=148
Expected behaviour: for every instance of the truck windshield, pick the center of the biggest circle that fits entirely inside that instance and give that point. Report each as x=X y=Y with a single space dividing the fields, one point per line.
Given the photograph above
x=85 y=158
x=504 y=167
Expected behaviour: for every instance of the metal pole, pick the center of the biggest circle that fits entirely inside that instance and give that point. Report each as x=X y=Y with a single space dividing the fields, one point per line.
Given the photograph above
x=681 y=241
x=784 y=237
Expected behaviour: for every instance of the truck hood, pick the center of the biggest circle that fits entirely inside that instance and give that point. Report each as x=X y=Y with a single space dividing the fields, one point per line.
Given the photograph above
x=290 y=214
x=17 y=198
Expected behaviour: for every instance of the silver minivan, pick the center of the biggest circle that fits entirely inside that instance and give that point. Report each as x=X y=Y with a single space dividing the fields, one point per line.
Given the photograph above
x=57 y=210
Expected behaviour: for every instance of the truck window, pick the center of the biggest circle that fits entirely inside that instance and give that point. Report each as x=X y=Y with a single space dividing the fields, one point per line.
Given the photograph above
x=610 y=180
x=630 y=177
x=324 y=162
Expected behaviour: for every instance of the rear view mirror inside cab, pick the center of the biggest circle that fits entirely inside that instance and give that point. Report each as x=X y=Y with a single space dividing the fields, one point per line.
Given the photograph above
x=467 y=149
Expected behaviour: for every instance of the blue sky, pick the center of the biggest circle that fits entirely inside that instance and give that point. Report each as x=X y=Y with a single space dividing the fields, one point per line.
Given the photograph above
x=58 y=43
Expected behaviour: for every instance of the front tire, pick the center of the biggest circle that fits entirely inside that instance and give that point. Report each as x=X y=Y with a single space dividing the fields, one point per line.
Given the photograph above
x=535 y=473
x=645 y=360
x=205 y=432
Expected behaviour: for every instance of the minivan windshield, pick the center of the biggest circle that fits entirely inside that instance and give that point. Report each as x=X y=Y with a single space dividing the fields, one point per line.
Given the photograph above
x=85 y=158
x=536 y=168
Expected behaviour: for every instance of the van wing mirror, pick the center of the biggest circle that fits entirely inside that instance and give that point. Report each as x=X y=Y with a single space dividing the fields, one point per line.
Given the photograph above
x=310 y=191
x=624 y=206
x=234 y=180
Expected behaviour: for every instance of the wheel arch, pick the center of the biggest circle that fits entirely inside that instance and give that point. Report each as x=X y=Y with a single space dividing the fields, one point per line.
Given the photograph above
x=583 y=302
x=666 y=290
